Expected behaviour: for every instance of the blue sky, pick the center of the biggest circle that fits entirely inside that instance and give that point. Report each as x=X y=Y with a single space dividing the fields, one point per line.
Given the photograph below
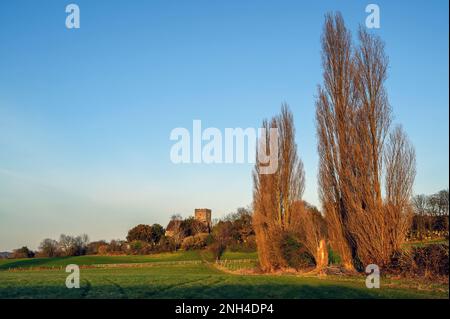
x=86 y=114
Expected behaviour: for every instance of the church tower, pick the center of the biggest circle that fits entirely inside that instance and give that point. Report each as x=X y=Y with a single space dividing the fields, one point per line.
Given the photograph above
x=203 y=215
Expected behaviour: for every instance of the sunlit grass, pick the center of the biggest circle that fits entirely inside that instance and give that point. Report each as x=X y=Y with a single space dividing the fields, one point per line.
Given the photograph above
x=169 y=277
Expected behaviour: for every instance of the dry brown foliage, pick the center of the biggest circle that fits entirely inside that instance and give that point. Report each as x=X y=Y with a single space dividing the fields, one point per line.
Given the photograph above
x=353 y=119
x=275 y=195
x=309 y=228
x=334 y=109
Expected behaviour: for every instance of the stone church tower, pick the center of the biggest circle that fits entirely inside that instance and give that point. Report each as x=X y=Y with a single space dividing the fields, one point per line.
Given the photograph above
x=203 y=215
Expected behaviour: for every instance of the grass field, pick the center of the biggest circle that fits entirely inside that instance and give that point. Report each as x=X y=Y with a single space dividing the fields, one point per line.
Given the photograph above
x=171 y=276
x=7 y=264
x=97 y=260
x=425 y=243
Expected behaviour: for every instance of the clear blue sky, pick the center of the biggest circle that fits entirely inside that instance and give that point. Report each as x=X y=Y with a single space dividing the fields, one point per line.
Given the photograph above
x=85 y=115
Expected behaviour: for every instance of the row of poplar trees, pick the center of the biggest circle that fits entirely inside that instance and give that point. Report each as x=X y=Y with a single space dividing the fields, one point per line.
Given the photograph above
x=360 y=154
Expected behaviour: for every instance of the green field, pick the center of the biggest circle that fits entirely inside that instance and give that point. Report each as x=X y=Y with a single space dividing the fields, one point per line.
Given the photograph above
x=184 y=275
x=8 y=264
x=425 y=243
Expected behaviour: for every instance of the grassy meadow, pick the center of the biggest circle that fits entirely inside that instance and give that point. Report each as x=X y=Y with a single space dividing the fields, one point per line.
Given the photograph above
x=186 y=275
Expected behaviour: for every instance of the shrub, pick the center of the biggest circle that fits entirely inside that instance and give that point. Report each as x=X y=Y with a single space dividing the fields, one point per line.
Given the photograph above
x=217 y=249
x=430 y=261
x=140 y=232
x=23 y=252
x=191 y=227
x=209 y=240
x=248 y=245
x=333 y=257
x=139 y=247
x=195 y=242
x=296 y=254
x=93 y=247
x=166 y=244
x=187 y=243
x=117 y=247
x=402 y=262
x=102 y=250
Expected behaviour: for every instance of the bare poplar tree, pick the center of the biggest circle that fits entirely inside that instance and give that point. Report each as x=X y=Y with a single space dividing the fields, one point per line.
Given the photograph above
x=335 y=109
x=372 y=119
x=400 y=159
x=353 y=119
x=267 y=230
x=374 y=111
x=275 y=195
x=379 y=231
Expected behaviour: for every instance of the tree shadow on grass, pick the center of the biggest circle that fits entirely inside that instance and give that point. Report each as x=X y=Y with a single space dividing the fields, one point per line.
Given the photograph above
x=266 y=291
x=237 y=291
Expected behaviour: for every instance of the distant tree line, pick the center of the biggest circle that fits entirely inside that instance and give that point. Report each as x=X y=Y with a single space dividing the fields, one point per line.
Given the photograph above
x=66 y=246
x=234 y=232
x=431 y=215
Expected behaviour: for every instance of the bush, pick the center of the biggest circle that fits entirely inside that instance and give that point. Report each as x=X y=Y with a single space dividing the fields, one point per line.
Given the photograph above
x=195 y=242
x=165 y=244
x=139 y=247
x=102 y=250
x=93 y=247
x=249 y=245
x=217 y=249
x=333 y=257
x=430 y=261
x=402 y=262
x=296 y=254
x=23 y=252
x=187 y=243
x=191 y=227
x=140 y=232
x=117 y=247
x=440 y=223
